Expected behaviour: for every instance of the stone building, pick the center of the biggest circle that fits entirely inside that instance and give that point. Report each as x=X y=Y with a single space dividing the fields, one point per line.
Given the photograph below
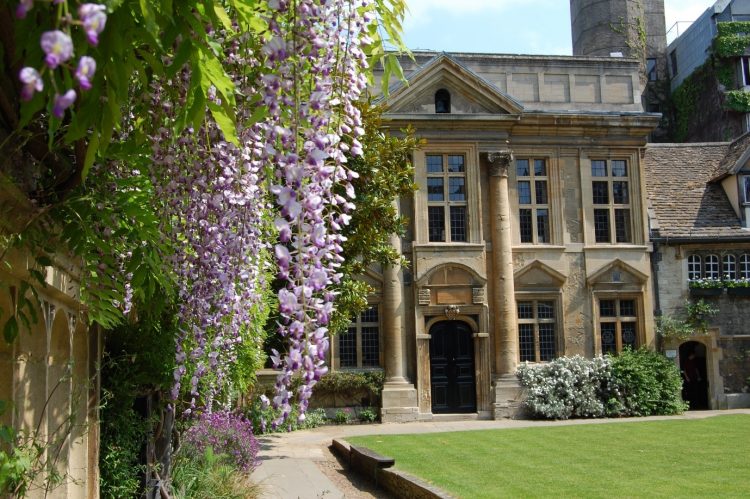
x=700 y=229
x=528 y=236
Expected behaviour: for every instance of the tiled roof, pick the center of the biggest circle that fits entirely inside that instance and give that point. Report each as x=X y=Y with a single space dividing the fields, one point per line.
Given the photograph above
x=684 y=202
x=737 y=149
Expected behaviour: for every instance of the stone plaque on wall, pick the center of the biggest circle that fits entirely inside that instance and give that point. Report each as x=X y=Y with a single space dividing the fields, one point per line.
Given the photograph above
x=424 y=296
x=477 y=296
x=453 y=296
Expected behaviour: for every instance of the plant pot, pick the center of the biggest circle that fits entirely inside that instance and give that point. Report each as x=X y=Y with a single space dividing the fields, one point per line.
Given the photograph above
x=738 y=291
x=706 y=291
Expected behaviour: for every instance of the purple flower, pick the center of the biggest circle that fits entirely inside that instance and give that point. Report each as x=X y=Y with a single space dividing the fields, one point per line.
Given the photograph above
x=32 y=82
x=63 y=102
x=24 y=6
x=85 y=71
x=93 y=19
x=58 y=46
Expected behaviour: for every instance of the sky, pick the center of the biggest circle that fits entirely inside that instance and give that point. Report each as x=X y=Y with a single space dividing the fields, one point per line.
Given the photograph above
x=509 y=26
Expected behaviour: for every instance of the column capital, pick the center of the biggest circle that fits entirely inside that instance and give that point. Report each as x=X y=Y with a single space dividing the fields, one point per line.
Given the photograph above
x=500 y=161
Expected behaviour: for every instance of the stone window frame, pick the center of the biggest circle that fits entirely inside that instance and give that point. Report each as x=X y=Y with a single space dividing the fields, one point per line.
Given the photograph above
x=358 y=324
x=554 y=197
x=473 y=192
x=639 y=319
x=533 y=206
x=536 y=297
x=635 y=205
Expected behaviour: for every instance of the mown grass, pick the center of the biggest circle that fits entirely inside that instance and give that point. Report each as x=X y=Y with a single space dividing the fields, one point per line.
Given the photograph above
x=675 y=458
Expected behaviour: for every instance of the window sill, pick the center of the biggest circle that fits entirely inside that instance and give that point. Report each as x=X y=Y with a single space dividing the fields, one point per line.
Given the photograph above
x=472 y=246
x=623 y=246
x=536 y=247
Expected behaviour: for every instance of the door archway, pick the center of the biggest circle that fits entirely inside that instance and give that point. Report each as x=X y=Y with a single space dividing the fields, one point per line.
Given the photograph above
x=694 y=375
x=453 y=385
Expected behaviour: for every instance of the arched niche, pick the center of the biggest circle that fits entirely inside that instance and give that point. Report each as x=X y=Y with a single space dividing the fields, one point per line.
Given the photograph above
x=31 y=374
x=442 y=101
x=59 y=388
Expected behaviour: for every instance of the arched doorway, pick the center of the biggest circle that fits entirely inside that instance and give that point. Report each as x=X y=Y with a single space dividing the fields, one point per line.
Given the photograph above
x=694 y=375
x=452 y=368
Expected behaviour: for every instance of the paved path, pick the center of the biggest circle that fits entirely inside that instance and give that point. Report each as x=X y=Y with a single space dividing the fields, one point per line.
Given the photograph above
x=289 y=469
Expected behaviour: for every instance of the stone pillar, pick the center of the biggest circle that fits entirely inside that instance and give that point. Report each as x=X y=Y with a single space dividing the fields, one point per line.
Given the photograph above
x=399 y=398
x=505 y=330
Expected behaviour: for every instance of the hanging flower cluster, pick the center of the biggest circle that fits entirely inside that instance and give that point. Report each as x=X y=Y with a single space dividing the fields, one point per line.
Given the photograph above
x=58 y=48
x=314 y=76
x=225 y=203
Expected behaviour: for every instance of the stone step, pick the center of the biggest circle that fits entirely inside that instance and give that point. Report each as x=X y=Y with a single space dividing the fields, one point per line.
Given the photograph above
x=473 y=416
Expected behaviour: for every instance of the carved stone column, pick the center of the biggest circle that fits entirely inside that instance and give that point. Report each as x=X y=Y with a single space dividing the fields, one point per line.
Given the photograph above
x=505 y=331
x=399 y=397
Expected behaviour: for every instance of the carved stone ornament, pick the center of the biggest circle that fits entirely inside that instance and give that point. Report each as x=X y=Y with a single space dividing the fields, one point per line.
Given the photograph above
x=477 y=297
x=452 y=311
x=424 y=296
x=501 y=161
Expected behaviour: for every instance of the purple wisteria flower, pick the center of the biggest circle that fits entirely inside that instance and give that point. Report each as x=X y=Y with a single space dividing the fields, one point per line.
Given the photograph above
x=230 y=436
x=58 y=46
x=63 y=102
x=93 y=19
x=85 y=71
x=32 y=82
x=24 y=6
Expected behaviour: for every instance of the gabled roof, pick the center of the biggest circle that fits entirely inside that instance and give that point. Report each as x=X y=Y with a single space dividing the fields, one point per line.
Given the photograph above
x=735 y=159
x=446 y=69
x=686 y=204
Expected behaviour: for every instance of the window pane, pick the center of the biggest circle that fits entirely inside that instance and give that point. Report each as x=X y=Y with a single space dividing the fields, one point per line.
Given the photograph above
x=522 y=167
x=619 y=168
x=436 y=223
x=542 y=226
x=540 y=186
x=526 y=342
x=525 y=310
x=598 y=168
x=745 y=266
x=627 y=308
x=620 y=192
x=370 y=315
x=609 y=344
x=348 y=348
x=745 y=186
x=434 y=163
x=545 y=310
x=540 y=168
x=370 y=347
x=524 y=192
x=728 y=267
x=600 y=192
x=607 y=308
x=628 y=334
x=546 y=342
x=525 y=228
x=435 y=189
x=601 y=226
x=694 y=267
x=458 y=223
x=457 y=188
x=712 y=267
x=622 y=226
x=455 y=164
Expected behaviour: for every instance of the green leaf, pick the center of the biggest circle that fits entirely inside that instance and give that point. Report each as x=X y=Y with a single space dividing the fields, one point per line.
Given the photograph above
x=91 y=153
x=10 y=330
x=221 y=14
x=225 y=122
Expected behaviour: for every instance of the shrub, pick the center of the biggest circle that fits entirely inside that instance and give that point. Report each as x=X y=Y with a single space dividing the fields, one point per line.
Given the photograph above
x=368 y=415
x=647 y=383
x=260 y=416
x=228 y=435
x=342 y=416
x=208 y=476
x=568 y=387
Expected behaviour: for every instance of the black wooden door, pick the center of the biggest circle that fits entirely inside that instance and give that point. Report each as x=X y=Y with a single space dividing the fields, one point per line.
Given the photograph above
x=452 y=368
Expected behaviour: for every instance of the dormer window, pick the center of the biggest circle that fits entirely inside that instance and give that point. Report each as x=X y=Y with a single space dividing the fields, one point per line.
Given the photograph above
x=745 y=189
x=442 y=101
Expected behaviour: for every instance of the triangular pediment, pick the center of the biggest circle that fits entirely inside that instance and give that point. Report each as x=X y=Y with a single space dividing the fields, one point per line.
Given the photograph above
x=617 y=272
x=538 y=275
x=469 y=92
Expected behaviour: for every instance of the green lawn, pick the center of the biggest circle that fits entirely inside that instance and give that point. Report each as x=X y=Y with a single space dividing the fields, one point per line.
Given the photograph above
x=680 y=458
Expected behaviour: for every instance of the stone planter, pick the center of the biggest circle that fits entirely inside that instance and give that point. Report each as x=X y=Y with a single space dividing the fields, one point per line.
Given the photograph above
x=703 y=292
x=738 y=291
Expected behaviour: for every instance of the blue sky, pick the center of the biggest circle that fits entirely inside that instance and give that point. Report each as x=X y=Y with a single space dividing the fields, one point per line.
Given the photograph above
x=508 y=26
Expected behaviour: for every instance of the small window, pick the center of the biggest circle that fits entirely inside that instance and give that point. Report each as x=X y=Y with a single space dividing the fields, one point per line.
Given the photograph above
x=745 y=266
x=359 y=346
x=442 y=101
x=673 y=61
x=651 y=69
x=745 y=187
x=712 y=267
x=536 y=330
x=694 y=267
x=618 y=325
x=745 y=68
x=728 y=267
